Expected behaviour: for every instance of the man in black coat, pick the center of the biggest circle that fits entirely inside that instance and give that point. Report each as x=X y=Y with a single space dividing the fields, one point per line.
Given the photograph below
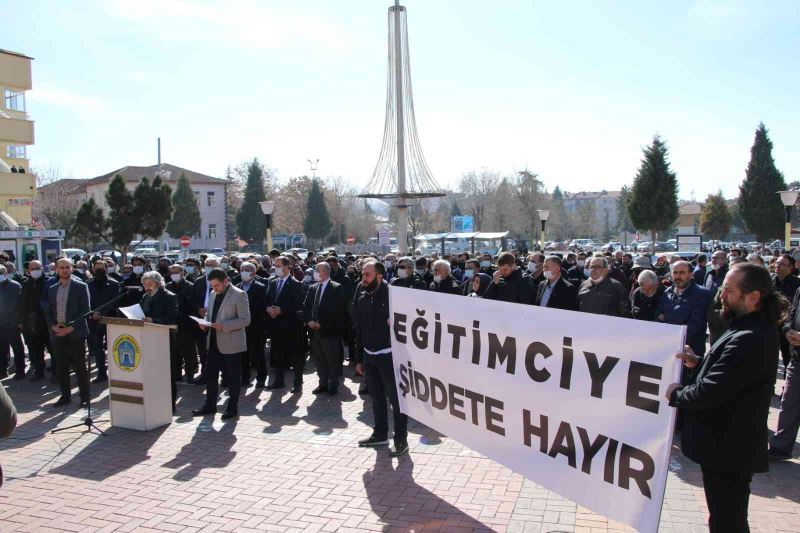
x=256 y=332
x=284 y=303
x=782 y=443
x=443 y=280
x=161 y=307
x=183 y=289
x=602 y=295
x=405 y=275
x=646 y=297
x=726 y=407
x=201 y=292
x=508 y=284
x=31 y=318
x=325 y=312
x=554 y=291
x=102 y=291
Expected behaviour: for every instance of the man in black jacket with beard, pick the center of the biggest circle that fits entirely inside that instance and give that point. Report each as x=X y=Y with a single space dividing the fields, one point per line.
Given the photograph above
x=726 y=406
x=31 y=318
x=508 y=284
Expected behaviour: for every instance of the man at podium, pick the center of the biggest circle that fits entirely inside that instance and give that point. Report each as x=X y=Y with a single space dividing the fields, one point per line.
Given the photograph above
x=228 y=315
x=161 y=307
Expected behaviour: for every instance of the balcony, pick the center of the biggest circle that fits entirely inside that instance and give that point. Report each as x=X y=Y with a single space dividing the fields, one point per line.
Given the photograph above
x=16 y=69
x=17 y=185
x=15 y=131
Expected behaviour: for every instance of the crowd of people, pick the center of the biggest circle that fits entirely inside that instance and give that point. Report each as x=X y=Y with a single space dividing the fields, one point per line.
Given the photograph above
x=267 y=314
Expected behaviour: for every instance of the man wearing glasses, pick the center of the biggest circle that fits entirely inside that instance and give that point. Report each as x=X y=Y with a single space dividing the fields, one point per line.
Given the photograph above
x=602 y=295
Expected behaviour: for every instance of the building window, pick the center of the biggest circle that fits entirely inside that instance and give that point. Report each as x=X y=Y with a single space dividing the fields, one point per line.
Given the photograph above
x=197 y=198
x=210 y=199
x=16 y=152
x=212 y=231
x=15 y=100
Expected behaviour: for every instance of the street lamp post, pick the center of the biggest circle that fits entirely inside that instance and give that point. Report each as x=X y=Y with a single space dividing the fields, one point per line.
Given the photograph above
x=788 y=198
x=544 y=214
x=267 y=206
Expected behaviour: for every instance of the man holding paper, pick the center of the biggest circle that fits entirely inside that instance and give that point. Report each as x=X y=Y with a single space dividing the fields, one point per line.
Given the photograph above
x=228 y=316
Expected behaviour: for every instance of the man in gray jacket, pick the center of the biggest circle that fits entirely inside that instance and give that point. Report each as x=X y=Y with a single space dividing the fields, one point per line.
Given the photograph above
x=602 y=295
x=229 y=315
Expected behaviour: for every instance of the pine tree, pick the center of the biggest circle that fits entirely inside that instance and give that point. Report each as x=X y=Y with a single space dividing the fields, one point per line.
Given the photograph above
x=559 y=223
x=250 y=222
x=186 y=217
x=317 y=223
x=653 y=204
x=623 y=220
x=455 y=211
x=759 y=205
x=715 y=217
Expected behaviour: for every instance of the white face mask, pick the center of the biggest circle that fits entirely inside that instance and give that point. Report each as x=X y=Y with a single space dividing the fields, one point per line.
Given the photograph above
x=82 y=270
x=531 y=267
x=437 y=279
x=580 y=263
x=189 y=269
x=547 y=274
x=316 y=275
x=111 y=269
x=388 y=264
x=307 y=278
x=715 y=266
x=138 y=269
x=175 y=277
x=36 y=274
x=246 y=275
x=486 y=264
x=402 y=273
x=224 y=266
x=469 y=273
x=420 y=271
x=279 y=271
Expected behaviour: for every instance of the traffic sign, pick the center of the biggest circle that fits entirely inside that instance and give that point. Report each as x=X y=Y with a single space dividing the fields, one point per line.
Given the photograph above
x=186 y=241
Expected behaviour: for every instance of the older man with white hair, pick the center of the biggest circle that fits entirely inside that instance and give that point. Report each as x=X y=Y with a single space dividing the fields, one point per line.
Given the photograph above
x=645 y=298
x=443 y=280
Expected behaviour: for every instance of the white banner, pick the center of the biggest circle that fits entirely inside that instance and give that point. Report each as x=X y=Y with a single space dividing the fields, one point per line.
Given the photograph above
x=572 y=401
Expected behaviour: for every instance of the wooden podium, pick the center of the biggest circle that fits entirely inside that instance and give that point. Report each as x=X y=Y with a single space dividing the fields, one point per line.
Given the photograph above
x=139 y=371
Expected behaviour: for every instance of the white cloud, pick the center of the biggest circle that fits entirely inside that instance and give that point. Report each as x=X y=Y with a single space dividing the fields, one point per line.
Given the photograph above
x=246 y=24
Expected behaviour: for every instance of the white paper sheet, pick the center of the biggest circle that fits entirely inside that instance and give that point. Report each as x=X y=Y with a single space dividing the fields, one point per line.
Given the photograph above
x=134 y=312
x=200 y=321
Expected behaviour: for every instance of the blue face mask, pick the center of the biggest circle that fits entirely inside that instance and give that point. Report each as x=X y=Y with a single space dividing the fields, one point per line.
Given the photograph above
x=2 y=278
x=189 y=269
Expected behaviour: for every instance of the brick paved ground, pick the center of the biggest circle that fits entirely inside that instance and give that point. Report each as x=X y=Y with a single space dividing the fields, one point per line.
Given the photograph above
x=291 y=464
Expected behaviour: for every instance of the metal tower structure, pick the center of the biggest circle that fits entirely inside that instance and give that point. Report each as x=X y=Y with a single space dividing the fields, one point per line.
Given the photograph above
x=401 y=174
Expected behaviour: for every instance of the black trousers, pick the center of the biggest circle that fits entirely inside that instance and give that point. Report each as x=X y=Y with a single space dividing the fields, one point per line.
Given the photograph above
x=254 y=356
x=231 y=367
x=187 y=352
x=70 y=350
x=379 y=372
x=200 y=344
x=36 y=344
x=10 y=337
x=97 y=347
x=727 y=496
x=327 y=355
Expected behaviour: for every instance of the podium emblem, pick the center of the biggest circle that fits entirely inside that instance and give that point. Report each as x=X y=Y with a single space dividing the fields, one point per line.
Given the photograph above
x=126 y=353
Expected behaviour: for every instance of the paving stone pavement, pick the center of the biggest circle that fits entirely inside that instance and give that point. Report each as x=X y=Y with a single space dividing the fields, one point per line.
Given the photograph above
x=291 y=463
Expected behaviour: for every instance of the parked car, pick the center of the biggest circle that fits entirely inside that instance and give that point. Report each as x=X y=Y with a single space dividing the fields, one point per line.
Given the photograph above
x=72 y=252
x=302 y=253
x=616 y=245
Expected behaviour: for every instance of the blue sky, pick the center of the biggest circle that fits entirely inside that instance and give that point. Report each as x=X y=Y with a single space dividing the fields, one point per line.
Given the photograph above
x=570 y=90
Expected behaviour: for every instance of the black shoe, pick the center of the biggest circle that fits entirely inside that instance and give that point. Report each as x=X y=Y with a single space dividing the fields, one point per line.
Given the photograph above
x=319 y=390
x=84 y=403
x=64 y=400
x=259 y=384
x=100 y=378
x=297 y=389
x=19 y=376
x=373 y=441
x=230 y=413
x=37 y=376
x=333 y=392
x=199 y=380
x=776 y=455
x=204 y=411
x=174 y=410
x=399 y=449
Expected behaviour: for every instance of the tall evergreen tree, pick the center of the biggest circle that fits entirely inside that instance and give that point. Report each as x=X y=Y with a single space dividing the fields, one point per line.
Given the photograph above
x=759 y=205
x=250 y=223
x=559 y=225
x=623 y=220
x=715 y=217
x=317 y=223
x=653 y=204
x=186 y=217
x=455 y=211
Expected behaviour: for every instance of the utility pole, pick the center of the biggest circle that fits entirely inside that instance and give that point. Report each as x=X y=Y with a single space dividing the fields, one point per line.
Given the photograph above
x=314 y=166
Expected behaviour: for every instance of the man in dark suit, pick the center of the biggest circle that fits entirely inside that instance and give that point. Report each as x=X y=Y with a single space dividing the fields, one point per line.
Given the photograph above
x=31 y=318
x=102 y=290
x=787 y=284
x=284 y=305
x=183 y=289
x=67 y=304
x=256 y=331
x=726 y=406
x=201 y=292
x=554 y=291
x=160 y=306
x=325 y=311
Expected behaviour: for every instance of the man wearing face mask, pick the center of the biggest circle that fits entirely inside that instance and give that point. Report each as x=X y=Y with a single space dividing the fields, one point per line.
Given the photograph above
x=284 y=302
x=325 y=312
x=534 y=269
x=192 y=269
x=719 y=268
x=254 y=357
x=390 y=262
x=406 y=277
x=133 y=284
x=201 y=292
x=554 y=291
x=31 y=318
x=161 y=307
x=421 y=268
x=508 y=285
x=112 y=270
x=600 y=294
x=486 y=265
x=443 y=281
x=472 y=268
x=102 y=290
x=183 y=290
x=163 y=267
x=580 y=272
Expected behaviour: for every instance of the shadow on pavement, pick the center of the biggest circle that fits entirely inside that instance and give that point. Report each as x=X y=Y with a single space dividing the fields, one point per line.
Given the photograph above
x=209 y=448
